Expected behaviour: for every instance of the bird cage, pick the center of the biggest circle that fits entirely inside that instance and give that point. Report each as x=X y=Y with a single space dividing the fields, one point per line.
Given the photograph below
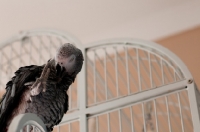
x=126 y=85
x=33 y=47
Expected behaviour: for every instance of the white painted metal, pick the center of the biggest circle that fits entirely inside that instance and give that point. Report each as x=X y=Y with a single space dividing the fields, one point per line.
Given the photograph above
x=132 y=124
x=144 y=118
x=108 y=120
x=193 y=93
x=25 y=120
x=105 y=75
x=116 y=72
x=120 y=123
x=138 y=69
x=168 y=114
x=153 y=71
x=82 y=95
x=128 y=100
x=181 y=115
x=97 y=124
x=127 y=71
x=156 y=116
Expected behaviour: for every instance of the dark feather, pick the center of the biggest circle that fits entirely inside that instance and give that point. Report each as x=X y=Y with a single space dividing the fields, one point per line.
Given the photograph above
x=50 y=105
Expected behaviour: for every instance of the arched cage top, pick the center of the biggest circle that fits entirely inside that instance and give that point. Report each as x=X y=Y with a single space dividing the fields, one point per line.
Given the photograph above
x=121 y=67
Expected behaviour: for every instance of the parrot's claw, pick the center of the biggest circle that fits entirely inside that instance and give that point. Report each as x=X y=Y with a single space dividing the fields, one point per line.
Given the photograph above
x=40 y=83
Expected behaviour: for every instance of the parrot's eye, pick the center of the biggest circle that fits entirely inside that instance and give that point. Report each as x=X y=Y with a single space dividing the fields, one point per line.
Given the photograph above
x=61 y=63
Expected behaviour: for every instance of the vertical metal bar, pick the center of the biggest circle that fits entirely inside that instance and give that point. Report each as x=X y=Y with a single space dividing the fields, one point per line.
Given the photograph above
x=168 y=113
x=127 y=70
x=40 y=50
x=28 y=128
x=69 y=128
x=192 y=93
x=100 y=79
x=120 y=123
x=58 y=128
x=132 y=121
x=168 y=71
x=108 y=119
x=145 y=69
x=156 y=116
x=164 y=121
x=116 y=71
x=105 y=74
x=34 y=128
x=94 y=69
x=138 y=69
x=150 y=70
x=45 y=48
x=1 y=60
x=75 y=95
x=30 y=53
x=97 y=124
x=50 y=46
x=83 y=123
x=184 y=99
x=155 y=71
x=187 y=114
x=120 y=74
x=162 y=72
x=174 y=76
x=70 y=97
x=160 y=65
x=181 y=115
x=27 y=51
x=144 y=117
x=82 y=95
x=10 y=61
x=109 y=59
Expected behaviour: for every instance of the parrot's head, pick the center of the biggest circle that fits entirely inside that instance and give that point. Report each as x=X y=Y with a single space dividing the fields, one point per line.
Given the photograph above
x=69 y=58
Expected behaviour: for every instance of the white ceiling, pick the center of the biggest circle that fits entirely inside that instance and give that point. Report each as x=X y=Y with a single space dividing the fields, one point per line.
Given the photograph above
x=95 y=20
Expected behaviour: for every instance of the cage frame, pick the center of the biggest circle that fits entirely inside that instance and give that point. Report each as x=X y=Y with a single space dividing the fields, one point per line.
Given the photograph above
x=84 y=112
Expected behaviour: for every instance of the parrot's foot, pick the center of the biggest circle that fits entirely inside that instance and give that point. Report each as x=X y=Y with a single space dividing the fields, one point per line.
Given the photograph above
x=40 y=83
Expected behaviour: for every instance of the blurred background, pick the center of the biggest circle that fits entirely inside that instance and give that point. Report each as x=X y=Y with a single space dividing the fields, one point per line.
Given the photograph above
x=174 y=24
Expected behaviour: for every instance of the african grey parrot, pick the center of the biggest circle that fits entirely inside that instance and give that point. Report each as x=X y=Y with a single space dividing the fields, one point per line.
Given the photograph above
x=42 y=89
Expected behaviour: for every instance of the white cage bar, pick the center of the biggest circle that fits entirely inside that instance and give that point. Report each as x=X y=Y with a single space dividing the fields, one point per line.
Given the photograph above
x=126 y=85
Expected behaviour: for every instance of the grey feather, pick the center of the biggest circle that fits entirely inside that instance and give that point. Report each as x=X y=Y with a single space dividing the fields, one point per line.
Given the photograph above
x=13 y=90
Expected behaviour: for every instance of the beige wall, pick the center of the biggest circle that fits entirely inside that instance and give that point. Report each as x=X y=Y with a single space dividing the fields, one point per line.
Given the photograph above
x=186 y=46
x=93 y=20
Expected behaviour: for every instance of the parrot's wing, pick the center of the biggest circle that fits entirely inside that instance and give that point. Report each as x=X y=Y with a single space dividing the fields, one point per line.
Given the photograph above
x=15 y=88
x=64 y=84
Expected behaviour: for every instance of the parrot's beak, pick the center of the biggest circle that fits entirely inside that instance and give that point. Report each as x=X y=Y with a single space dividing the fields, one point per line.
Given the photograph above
x=52 y=62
